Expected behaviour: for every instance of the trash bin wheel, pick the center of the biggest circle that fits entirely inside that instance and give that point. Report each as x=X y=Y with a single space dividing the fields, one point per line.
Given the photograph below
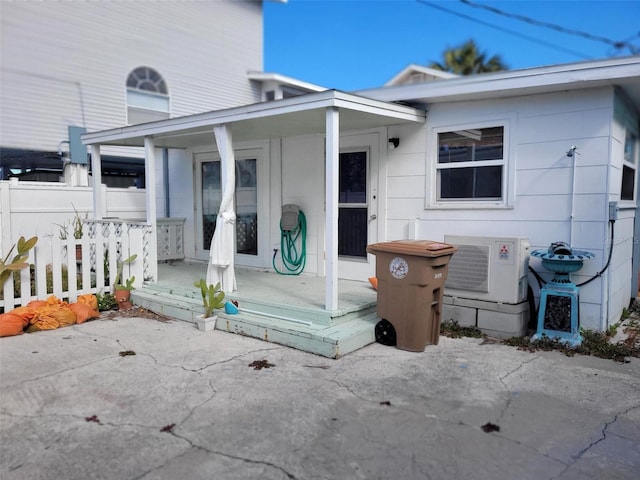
x=385 y=333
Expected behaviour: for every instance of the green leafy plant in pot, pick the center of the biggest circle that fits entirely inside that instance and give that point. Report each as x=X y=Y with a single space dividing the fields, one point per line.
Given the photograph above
x=74 y=227
x=212 y=299
x=212 y=296
x=122 y=289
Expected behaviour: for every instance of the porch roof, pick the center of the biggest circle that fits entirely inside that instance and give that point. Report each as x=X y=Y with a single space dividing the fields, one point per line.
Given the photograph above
x=300 y=115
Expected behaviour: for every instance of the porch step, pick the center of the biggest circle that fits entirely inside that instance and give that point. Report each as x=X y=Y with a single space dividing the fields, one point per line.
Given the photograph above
x=333 y=342
x=168 y=304
x=188 y=293
x=284 y=327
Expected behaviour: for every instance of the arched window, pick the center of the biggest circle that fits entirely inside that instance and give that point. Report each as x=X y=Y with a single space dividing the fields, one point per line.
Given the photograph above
x=147 y=96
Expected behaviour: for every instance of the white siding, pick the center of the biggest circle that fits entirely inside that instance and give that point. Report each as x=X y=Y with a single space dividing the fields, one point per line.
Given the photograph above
x=543 y=129
x=66 y=63
x=303 y=174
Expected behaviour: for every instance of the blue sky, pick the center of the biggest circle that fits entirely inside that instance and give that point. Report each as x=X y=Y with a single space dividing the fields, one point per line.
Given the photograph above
x=353 y=44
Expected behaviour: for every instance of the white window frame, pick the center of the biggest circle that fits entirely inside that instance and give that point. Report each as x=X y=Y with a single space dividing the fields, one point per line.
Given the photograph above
x=508 y=169
x=156 y=105
x=630 y=163
x=242 y=151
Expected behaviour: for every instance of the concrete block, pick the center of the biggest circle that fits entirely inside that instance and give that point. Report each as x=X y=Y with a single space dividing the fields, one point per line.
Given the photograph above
x=503 y=325
x=465 y=316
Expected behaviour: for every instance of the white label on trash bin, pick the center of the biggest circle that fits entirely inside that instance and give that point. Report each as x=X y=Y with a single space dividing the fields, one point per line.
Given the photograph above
x=399 y=267
x=438 y=275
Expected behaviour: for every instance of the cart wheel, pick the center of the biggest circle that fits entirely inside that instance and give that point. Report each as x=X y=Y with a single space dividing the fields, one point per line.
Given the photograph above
x=385 y=333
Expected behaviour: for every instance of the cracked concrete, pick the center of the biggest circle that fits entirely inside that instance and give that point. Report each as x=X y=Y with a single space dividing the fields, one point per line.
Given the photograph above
x=187 y=405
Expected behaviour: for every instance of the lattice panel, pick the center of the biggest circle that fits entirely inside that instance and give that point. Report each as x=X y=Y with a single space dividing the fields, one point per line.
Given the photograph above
x=247 y=234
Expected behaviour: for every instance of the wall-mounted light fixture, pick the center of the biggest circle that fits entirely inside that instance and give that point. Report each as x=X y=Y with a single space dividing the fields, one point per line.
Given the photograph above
x=571 y=151
x=394 y=142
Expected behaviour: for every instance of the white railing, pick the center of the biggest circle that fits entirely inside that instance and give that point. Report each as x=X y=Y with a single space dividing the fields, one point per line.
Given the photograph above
x=55 y=269
x=120 y=228
x=40 y=209
x=170 y=238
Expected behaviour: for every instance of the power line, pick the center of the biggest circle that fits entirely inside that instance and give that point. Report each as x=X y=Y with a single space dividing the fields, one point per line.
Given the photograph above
x=504 y=30
x=618 y=45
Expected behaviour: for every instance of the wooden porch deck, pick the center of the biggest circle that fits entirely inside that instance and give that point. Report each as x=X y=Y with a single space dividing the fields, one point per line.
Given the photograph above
x=287 y=310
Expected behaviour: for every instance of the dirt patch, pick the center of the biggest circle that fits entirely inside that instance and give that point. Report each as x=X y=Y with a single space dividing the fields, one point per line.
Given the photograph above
x=133 y=312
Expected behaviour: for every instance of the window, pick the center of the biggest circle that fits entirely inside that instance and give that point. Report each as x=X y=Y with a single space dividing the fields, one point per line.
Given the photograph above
x=629 y=165
x=471 y=165
x=147 y=96
x=353 y=209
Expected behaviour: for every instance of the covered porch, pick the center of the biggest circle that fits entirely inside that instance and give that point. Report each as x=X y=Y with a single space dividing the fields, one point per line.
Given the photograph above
x=329 y=307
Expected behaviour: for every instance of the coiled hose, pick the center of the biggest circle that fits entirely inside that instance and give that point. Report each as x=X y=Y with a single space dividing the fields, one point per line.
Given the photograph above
x=293 y=260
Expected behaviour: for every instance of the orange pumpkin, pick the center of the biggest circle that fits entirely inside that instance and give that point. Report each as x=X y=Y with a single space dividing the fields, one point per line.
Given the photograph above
x=89 y=299
x=11 y=324
x=83 y=312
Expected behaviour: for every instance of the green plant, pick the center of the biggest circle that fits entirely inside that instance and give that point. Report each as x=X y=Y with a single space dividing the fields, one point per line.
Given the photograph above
x=75 y=226
x=594 y=343
x=106 y=301
x=19 y=261
x=212 y=296
x=128 y=283
x=450 y=328
x=612 y=330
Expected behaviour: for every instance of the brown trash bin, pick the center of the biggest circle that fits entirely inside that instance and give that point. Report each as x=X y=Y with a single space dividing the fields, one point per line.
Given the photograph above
x=411 y=276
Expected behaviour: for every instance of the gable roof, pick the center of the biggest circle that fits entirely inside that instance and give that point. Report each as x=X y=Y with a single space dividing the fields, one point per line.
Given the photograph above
x=622 y=72
x=418 y=73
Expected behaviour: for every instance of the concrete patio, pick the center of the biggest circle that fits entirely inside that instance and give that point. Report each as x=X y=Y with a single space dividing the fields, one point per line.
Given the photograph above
x=136 y=398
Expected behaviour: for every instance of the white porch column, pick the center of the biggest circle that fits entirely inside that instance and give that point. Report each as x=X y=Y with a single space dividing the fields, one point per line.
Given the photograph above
x=96 y=175
x=150 y=189
x=331 y=219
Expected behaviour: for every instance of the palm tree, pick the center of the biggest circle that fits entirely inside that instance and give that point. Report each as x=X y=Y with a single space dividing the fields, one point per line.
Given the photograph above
x=467 y=59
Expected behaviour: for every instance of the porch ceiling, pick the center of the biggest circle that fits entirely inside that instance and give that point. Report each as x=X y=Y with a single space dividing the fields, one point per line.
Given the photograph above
x=294 y=116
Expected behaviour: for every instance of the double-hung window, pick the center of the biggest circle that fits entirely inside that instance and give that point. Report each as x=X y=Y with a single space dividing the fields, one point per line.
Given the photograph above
x=471 y=165
x=629 y=166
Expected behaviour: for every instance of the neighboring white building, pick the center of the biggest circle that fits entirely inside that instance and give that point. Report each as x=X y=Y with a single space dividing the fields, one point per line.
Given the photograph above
x=557 y=145
x=418 y=74
x=103 y=64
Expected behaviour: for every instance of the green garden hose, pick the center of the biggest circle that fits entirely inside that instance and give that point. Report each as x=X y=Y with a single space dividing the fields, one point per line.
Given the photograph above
x=292 y=259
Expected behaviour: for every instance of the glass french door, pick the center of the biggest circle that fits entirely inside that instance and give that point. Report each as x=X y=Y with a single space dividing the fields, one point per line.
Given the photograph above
x=245 y=200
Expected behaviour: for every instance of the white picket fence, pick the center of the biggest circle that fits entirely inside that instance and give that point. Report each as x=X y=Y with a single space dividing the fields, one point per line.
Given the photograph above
x=103 y=245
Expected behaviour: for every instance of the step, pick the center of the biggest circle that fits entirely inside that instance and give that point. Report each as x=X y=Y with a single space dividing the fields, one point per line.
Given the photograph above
x=311 y=314
x=332 y=341
x=169 y=305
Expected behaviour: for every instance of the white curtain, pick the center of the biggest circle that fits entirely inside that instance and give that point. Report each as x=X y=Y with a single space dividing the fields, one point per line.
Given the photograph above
x=221 y=263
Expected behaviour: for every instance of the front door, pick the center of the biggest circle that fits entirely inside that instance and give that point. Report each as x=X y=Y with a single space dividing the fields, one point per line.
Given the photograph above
x=357 y=206
x=249 y=237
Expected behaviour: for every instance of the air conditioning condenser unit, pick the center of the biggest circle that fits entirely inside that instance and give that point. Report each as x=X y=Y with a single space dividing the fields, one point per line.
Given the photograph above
x=492 y=269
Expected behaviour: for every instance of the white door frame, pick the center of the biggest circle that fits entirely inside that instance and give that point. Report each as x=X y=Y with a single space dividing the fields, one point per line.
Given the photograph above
x=363 y=268
x=263 y=258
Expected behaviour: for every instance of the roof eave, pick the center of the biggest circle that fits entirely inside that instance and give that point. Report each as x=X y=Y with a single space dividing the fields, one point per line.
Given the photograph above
x=284 y=80
x=311 y=101
x=495 y=85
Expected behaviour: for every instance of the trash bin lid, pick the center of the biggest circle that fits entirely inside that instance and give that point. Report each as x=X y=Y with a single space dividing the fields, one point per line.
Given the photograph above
x=418 y=248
